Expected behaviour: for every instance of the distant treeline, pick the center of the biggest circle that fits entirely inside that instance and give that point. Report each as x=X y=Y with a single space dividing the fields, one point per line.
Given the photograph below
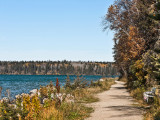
x=57 y=68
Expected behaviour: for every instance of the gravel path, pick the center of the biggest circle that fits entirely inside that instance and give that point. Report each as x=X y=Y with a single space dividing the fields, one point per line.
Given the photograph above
x=115 y=104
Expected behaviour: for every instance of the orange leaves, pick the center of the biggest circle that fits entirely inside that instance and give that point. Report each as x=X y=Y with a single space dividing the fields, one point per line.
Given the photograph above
x=128 y=46
x=132 y=32
x=136 y=42
x=129 y=21
x=111 y=8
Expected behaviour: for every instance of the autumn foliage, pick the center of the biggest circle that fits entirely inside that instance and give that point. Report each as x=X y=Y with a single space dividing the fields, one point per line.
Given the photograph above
x=135 y=31
x=57 y=86
x=136 y=24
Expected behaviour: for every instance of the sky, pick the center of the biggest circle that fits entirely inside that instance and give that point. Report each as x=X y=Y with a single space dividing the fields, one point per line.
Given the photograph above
x=54 y=30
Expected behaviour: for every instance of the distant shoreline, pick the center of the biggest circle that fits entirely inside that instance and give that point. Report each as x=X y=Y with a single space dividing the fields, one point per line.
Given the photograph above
x=59 y=75
x=57 y=68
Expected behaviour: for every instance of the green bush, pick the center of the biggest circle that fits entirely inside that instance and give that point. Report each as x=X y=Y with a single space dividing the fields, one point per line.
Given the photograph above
x=138 y=93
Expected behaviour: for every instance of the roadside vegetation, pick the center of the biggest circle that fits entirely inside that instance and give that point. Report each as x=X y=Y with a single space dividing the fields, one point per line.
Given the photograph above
x=136 y=24
x=53 y=102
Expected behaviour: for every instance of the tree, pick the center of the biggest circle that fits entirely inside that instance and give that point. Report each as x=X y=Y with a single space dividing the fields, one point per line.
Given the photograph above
x=134 y=31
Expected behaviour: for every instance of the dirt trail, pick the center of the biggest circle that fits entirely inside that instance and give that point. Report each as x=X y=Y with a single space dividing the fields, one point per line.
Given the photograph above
x=115 y=104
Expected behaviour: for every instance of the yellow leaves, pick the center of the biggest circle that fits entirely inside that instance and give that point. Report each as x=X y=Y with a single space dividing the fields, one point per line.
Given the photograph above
x=33 y=107
x=139 y=64
x=146 y=77
x=137 y=70
x=139 y=75
x=36 y=104
x=5 y=112
x=26 y=102
x=132 y=31
x=135 y=44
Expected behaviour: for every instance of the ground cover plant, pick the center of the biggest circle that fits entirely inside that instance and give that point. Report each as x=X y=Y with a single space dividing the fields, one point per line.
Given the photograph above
x=53 y=102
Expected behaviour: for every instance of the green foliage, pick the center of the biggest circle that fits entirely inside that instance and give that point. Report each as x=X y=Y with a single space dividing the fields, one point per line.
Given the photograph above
x=47 y=103
x=152 y=65
x=138 y=93
x=155 y=14
x=79 y=82
x=8 y=112
x=96 y=84
x=137 y=75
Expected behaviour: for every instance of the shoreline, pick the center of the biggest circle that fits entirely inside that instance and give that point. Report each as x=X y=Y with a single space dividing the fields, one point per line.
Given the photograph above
x=74 y=96
x=24 y=83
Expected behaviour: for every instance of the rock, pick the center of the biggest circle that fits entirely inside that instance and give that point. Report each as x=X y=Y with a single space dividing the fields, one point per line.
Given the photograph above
x=101 y=80
x=5 y=99
x=18 y=96
x=24 y=94
x=34 y=91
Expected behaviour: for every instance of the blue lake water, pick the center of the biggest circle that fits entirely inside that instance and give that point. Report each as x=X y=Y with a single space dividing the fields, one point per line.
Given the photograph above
x=24 y=83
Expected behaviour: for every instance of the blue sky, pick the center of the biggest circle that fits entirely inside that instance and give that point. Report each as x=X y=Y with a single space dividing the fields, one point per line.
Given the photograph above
x=54 y=30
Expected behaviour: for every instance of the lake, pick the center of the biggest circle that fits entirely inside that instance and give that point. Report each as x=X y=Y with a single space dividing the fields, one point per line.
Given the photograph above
x=24 y=83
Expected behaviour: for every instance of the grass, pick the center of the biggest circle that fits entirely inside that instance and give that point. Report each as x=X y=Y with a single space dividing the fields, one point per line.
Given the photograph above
x=75 y=111
x=87 y=95
x=78 y=111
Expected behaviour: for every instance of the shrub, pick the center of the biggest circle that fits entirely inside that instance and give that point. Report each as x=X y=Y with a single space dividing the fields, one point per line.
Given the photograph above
x=34 y=108
x=43 y=92
x=8 y=112
x=138 y=93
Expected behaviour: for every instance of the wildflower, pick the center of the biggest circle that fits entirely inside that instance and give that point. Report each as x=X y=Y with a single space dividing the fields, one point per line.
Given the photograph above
x=5 y=112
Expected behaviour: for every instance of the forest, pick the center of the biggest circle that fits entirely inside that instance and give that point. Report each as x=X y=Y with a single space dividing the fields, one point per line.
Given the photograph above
x=136 y=24
x=57 y=68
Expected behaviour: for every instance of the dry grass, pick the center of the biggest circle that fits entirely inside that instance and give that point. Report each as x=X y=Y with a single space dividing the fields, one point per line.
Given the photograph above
x=51 y=113
x=123 y=79
x=87 y=95
x=94 y=90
